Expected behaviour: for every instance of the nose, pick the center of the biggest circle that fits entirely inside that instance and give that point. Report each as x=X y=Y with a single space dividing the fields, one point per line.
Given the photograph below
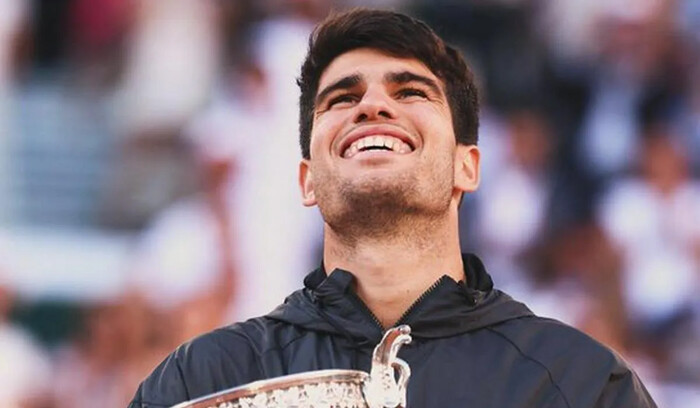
x=375 y=104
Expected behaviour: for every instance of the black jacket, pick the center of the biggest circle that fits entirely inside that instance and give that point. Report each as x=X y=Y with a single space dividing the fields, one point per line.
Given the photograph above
x=473 y=346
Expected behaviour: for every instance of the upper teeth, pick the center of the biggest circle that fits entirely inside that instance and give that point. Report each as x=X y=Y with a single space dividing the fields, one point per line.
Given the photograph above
x=390 y=142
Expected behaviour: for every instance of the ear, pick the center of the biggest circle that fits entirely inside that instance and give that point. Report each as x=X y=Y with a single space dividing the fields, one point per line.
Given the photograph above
x=306 y=184
x=467 y=168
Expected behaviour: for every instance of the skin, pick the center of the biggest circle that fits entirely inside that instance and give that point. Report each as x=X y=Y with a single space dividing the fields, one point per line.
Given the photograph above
x=390 y=218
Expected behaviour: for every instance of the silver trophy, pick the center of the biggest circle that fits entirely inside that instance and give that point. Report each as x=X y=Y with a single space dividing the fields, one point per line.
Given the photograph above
x=379 y=388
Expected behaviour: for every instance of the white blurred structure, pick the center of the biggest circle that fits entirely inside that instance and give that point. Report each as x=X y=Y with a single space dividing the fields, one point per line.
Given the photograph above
x=274 y=236
x=655 y=220
x=25 y=370
x=656 y=233
x=171 y=65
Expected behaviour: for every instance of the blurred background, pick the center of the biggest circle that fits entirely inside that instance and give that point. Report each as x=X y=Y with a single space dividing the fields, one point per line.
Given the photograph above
x=148 y=166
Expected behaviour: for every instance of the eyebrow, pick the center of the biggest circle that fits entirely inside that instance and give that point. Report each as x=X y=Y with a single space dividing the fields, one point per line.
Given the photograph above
x=346 y=82
x=402 y=77
x=405 y=77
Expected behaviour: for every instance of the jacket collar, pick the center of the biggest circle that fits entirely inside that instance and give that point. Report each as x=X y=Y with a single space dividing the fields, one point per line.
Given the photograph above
x=328 y=303
x=478 y=281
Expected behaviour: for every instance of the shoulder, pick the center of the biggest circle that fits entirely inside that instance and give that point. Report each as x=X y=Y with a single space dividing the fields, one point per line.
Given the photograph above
x=549 y=338
x=227 y=346
x=581 y=368
x=218 y=360
x=563 y=351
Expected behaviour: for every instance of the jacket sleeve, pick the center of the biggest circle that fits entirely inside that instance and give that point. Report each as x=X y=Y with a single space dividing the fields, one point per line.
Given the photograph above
x=212 y=362
x=624 y=389
x=165 y=387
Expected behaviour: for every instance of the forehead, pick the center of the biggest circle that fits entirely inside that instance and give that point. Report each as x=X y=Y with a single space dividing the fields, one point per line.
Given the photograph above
x=371 y=65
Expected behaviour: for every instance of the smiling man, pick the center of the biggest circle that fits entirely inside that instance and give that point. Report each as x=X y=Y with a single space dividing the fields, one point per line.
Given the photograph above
x=387 y=173
x=388 y=131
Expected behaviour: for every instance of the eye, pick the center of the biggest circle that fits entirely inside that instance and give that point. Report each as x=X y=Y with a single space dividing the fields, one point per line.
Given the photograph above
x=342 y=100
x=411 y=92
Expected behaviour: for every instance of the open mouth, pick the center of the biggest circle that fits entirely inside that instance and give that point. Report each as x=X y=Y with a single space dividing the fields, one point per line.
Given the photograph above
x=377 y=143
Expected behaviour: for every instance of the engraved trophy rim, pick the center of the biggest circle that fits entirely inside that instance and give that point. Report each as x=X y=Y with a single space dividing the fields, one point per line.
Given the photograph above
x=377 y=389
x=285 y=381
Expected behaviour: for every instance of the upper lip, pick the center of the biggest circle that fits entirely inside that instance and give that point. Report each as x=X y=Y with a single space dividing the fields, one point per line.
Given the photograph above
x=375 y=130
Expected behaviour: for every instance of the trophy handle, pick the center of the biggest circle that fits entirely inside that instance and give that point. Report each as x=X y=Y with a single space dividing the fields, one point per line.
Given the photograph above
x=402 y=382
x=383 y=390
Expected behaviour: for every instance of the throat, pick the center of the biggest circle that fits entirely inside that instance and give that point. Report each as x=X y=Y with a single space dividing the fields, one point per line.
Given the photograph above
x=394 y=268
x=389 y=314
x=394 y=280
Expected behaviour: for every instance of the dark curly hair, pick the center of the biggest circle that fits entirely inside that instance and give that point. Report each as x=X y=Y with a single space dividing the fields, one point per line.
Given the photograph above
x=398 y=35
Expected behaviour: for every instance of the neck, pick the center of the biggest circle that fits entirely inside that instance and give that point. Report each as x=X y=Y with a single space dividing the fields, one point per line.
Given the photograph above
x=392 y=271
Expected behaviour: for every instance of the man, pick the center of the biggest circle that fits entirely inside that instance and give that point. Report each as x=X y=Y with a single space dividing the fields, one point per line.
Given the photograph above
x=388 y=120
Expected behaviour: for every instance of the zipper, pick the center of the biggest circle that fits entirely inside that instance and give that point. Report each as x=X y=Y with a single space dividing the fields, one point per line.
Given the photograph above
x=362 y=306
x=414 y=306
x=402 y=320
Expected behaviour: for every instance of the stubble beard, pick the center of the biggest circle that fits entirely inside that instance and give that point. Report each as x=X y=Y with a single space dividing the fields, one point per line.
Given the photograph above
x=383 y=209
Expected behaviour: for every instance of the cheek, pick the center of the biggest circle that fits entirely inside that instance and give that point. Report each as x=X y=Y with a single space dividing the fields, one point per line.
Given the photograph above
x=436 y=128
x=313 y=143
x=324 y=130
x=430 y=115
x=317 y=138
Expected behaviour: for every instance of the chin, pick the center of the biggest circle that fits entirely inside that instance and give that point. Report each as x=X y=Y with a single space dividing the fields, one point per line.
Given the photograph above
x=379 y=180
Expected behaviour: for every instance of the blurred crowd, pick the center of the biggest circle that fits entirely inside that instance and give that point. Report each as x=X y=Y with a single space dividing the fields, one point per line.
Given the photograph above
x=149 y=149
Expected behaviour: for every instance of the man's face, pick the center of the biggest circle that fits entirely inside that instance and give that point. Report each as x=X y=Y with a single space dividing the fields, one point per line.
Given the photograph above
x=382 y=139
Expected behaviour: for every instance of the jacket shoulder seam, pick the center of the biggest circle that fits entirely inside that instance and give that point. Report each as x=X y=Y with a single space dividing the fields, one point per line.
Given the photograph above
x=260 y=351
x=300 y=336
x=277 y=347
x=534 y=360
